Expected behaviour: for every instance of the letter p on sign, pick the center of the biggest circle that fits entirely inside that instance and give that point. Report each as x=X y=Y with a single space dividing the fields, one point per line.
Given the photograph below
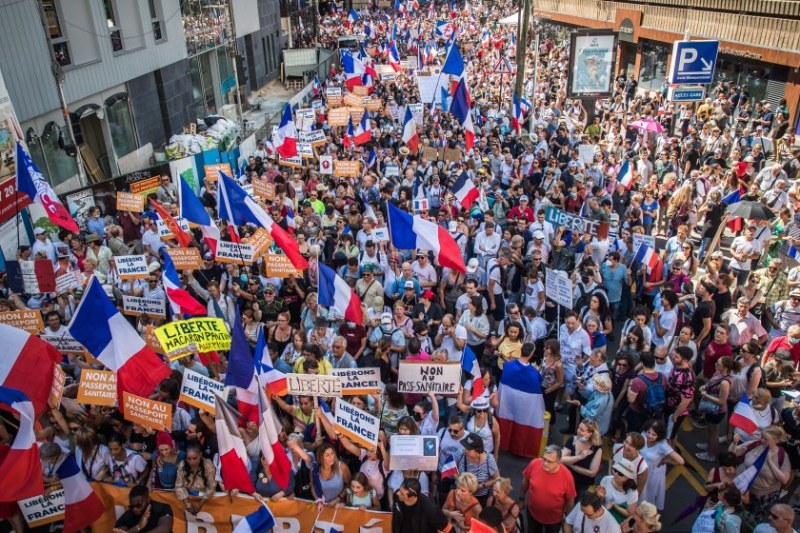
x=687 y=57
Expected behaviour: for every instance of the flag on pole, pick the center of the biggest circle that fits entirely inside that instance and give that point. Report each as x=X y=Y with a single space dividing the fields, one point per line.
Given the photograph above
x=743 y=416
x=268 y=430
x=410 y=137
x=21 y=469
x=180 y=300
x=285 y=138
x=449 y=468
x=27 y=364
x=257 y=522
x=183 y=238
x=192 y=210
x=465 y=191
x=241 y=372
x=394 y=57
x=409 y=232
x=31 y=182
x=276 y=380
x=335 y=293
x=744 y=480
x=81 y=505
x=363 y=133
x=625 y=174
x=352 y=17
x=232 y=452
x=469 y=364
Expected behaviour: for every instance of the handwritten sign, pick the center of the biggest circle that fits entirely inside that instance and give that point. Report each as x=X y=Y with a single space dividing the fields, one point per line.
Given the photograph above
x=199 y=391
x=131 y=266
x=263 y=189
x=28 y=320
x=452 y=155
x=146 y=412
x=358 y=380
x=212 y=171
x=422 y=377
x=355 y=114
x=186 y=258
x=558 y=287
x=65 y=344
x=360 y=90
x=314 y=385
x=305 y=119
x=279 y=266
x=184 y=337
x=135 y=306
x=97 y=387
x=339 y=116
x=42 y=510
x=57 y=389
x=418 y=113
x=65 y=282
x=359 y=426
x=231 y=252
x=260 y=241
x=128 y=201
x=414 y=452
x=430 y=153
x=559 y=217
x=346 y=169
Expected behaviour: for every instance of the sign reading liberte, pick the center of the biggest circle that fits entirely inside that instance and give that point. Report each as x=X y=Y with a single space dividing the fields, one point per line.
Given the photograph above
x=314 y=385
x=201 y=334
x=559 y=217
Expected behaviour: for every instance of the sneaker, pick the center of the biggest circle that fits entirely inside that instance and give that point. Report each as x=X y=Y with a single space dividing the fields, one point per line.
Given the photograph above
x=699 y=424
x=702 y=446
x=705 y=456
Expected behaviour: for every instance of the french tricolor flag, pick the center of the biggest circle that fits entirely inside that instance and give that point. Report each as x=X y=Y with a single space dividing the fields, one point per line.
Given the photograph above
x=241 y=372
x=232 y=451
x=469 y=364
x=465 y=191
x=469 y=133
x=109 y=337
x=743 y=416
x=745 y=479
x=348 y=141
x=516 y=116
x=625 y=174
x=21 y=468
x=316 y=87
x=268 y=430
x=352 y=17
x=394 y=58
x=276 y=380
x=192 y=210
x=449 y=468
x=410 y=232
x=285 y=138
x=363 y=133
x=180 y=300
x=410 y=137
x=335 y=293
x=257 y=522
x=521 y=410
x=81 y=505
x=353 y=69
x=27 y=364
x=646 y=255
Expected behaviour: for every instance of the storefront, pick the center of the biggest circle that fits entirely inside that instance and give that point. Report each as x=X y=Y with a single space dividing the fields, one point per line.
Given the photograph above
x=653 y=65
x=626 y=60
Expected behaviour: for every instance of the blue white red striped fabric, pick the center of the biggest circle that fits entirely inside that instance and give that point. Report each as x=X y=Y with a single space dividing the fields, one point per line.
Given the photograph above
x=465 y=191
x=21 y=465
x=232 y=451
x=241 y=371
x=743 y=416
x=257 y=522
x=180 y=300
x=449 y=468
x=81 y=505
x=647 y=256
x=192 y=210
x=275 y=379
x=521 y=410
x=110 y=338
x=26 y=364
x=744 y=480
x=285 y=138
x=469 y=364
x=363 y=133
x=410 y=136
x=268 y=430
x=625 y=174
x=335 y=293
x=394 y=57
x=410 y=232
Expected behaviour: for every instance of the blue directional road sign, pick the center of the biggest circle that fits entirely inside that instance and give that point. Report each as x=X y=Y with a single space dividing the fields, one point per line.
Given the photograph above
x=693 y=62
x=686 y=94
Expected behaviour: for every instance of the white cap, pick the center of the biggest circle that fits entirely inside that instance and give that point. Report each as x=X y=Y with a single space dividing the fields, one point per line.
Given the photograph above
x=452 y=226
x=386 y=318
x=538 y=234
x=472 y=265
x=38 y=231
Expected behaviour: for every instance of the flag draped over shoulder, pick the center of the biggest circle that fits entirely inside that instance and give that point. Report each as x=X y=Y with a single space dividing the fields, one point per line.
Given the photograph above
x=521 y=410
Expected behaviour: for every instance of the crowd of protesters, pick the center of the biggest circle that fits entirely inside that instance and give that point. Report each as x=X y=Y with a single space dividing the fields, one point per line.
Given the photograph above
x=706 y=323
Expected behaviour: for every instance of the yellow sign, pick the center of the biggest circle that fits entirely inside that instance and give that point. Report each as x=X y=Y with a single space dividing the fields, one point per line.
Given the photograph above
x=351 y=100
x=184 y=337
x=146 y=412
x=97 y=387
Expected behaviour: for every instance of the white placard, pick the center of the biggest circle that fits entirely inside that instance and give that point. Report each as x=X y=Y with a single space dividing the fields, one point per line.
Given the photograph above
x=42 y=510
x=314 y=137
x=428 y=87
x=65 y=282
x=380 y=235
x=164 y=231
x=358 y=380
x=414 y=452
x=304 y=150
x=418 y=112
x=198 y=390
x=558 y=287
x=231 y=252
x=65 y=343
x=305 y=119
x=359 y=426
x=586 y=152
x=314 y=385
x=422 y=377
x=391 y=169
x=135 y=306
x=131 y=266
x=638 y=239
x=326 y=164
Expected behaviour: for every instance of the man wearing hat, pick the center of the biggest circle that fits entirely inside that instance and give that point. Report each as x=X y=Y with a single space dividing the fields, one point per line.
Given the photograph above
x=424 y=271
x=783 y=314
x=367 y=287
x=522 y=211
x=397 y=348
x=43 y=247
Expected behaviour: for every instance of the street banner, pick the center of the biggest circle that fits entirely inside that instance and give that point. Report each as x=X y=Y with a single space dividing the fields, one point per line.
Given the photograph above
x=559 y=217
x=186 y=258
x=358 y=380
x=42 y=510
x=31 y=277
x=231 y=252
x=414 y=452
x=212 y=171
x=184 y=337
x=558 y=287
x=28 y=320
x=357 y=425
x=422 y=377
x=131 y=266
x=135 y=306
x=199 y=391
x=314 y=385
x=57 y=389
x=146 y=412
x=97 y=387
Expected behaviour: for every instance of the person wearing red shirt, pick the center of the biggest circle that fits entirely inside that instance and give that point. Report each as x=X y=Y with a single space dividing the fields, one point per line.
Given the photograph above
x=550 y=489
x=717 y=348
x=522 y=211
x=789 y=342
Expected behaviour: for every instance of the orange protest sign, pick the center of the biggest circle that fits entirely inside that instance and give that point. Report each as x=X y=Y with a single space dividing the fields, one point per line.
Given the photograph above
x=374 y=105
x=339 y=116
x=279 y=266
x=212 y=171
x=146 y=412
x=29 y=320
x=346 y=169
x=263 y=189
x=128 y=201
x=97 y=387
x=151 y=340
x=57 y=390
x=260 y=241
x=360 y=90
x=351 y=100
x=146 y=185
x=356 y=113
x=185 y=258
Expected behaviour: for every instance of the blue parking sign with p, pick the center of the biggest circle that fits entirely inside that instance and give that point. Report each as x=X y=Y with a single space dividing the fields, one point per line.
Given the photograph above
x=693 y=62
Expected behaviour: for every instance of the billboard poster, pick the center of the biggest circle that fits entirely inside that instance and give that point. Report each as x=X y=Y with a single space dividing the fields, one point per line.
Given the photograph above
x=592 y=67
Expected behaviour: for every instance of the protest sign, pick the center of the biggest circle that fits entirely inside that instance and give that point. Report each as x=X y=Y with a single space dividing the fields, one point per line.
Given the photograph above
x=42 y=510
x=558 y=287
x=346 y=169
x=374 y=105
x=452 y=155
x=97 y=387
x=28 y=320
x=260 y=241
x=305 y=119
x=428 y=87
x=292 y=162
x=360 y=90
x=380 y=234
x=184 y=337
x=263 y=189
x=315 y=137
x=388 y=76
x=355 y=114
x=131 y=266
x=351 y=100
x=358 y=380
x=151 y=340
x=638 y=239
x=128 y=201
x=65 y=343
x=586 y=153
x=135 y=306
x=146 y=185
x=31 y=277
x=57 y=389
x=165 y=232
x=391 y=169
x=339 y=116
x=559 y=217
x=414 y=452
x=334 y=96
x=199 y=391
x=422 y=377
x=394 y=110
x=317 y=104
x=305 y=150
x=185 y=258
x=430 y=153
x=357 y=425
x=314 y=385
x=146 y=412
x=418 y=112
x=279 y=266
x=70 y=280
x=412 y=62
x=231 y=252
x=212 y=171
x=326 y=164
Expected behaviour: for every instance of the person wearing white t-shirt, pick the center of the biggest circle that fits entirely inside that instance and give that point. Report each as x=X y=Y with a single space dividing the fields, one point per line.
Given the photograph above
x=663 y=362
x=743 y=250
x=666 y=320
x=452 y=337
x=590 y=516
x=574 y=343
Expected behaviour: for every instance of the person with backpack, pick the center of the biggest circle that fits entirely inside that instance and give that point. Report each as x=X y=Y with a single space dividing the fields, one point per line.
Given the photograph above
x=646 y=395
x=658 y=454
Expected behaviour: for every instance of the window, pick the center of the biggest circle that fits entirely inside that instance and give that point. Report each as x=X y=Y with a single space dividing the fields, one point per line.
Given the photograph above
x=45 y=151
x=55 y=30
x=155 y=21
x=114 y=32
x=120 y=124
x=205 y=25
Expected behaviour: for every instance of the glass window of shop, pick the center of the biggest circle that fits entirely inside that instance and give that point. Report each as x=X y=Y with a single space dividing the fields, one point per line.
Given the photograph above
x=120 y=125
x=204 y=24
x=227 y=80
x=653 y=66
x=202 y=85
x=736 y=72
x=53 y=162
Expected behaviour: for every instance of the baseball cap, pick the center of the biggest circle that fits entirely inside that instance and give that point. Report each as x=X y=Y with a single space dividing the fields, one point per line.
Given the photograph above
x=795 y=292
x=472 y=265
x=386 y=318
x=38 y=231
x=523 y=198
x=623 y=466
x=427 y=295
x=472 y=442
x=269 y=287
x=408 y=285
x=538 y=234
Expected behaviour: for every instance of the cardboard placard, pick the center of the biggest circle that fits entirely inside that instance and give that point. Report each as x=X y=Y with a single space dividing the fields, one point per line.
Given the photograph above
x=135 y=306
x=263 y=189
x=314 y=385
x=414 y=452
x=65 y=282
x=346 y=169
x=359 y=426
x=151 y=339
x=558 y=287
x=184 y=337
x=305 y=151
x=374 y=105
x=360 y=90
x=292 y=162
x=165 y=231
x=65 y=344
x=32 y=277
x=198 y=390
x=422 y=377
x=231 y=252
x=260 y=241
x=358 y=380
x=146 y=412
x=212 y=171
x=97 y=387
x=391 y=169
x=128 y=201
x=305 y=119
x=355 y=114
x=146 y=185
x=42 y=510
x=57 y=389
x=389 y=76
x=418 y=113
x=430 y=153
x=28 y=320
x=315 y=138
x=351 y=100
x=452 y=155
x=131 y=266
x=339 y=117
x=559 y=217
x=326 y=164
x=186 y=258
x=279 y=266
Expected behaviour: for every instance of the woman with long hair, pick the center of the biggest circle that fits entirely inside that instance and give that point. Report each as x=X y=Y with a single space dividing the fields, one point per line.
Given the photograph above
x=90 y=454
x=713 y=405
x=679 y=207
x=476 y=323
x=658 y=454
x=552 y=371
x=291 y=353
x=165 y=466
x=599 y=309
x=196 y=480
